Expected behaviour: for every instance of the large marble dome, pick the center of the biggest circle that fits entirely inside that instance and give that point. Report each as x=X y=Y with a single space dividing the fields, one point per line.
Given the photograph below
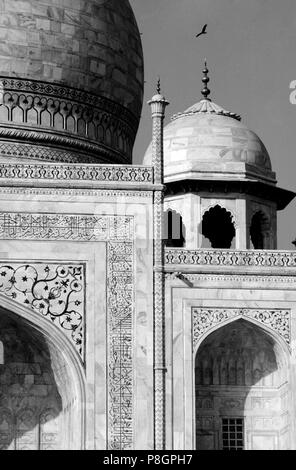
x=208 y=141
x=73 y=72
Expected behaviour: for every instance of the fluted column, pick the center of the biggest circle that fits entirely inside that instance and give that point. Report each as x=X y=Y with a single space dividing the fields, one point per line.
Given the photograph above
x=158 y=105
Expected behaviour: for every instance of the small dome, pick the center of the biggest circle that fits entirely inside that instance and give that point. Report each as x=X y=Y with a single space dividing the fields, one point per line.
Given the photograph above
x=208 y=139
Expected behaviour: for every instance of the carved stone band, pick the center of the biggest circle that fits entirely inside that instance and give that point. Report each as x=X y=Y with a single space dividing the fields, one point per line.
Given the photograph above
x=76 y=172
x=230 y=258
x=60 y=116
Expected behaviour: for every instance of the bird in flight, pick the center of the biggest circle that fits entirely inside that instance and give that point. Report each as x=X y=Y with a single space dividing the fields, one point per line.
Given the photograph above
x=204 y=31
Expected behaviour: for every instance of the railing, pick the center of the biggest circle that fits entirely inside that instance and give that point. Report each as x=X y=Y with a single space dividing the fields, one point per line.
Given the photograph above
x=201 y=257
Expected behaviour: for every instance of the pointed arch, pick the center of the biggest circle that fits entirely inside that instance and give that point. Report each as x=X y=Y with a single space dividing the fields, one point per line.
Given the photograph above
x=60 y=348
x=174 y=229
x=260 y=230
x=1 y=353
x=218 y=227
x=253 y=367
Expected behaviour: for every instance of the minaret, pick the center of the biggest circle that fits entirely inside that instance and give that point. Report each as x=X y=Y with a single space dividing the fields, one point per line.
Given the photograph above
x=158 y=105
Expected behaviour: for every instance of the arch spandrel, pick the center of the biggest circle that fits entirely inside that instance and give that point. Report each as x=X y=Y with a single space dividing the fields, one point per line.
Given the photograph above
x=54 y=291
x=276 y=322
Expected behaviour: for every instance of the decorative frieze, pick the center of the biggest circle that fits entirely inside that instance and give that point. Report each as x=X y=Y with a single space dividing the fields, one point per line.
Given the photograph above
x=96 y=193
x=28 y=226
x=205 y=319
x=53 y=90
x=270 y=259
x=76 y=172
x=86 y=121
x=274 y=281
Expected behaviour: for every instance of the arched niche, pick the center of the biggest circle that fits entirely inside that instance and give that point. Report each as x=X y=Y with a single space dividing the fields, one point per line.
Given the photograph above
x=42 y=400
x=242 y=389
x=81 y=127
x=3 y=113
x=260 y=231
x=1 y=353
x=58 y=121
x=46 y=119
x=174 y=229
x=17 y=114
x=91 y=130
x=218 y=229
x=108 y=137
x=70 y=124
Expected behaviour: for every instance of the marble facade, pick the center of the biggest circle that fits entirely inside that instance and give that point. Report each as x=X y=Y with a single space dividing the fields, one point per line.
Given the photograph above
x=205 y=299
x=103 y=234
x=109 y=339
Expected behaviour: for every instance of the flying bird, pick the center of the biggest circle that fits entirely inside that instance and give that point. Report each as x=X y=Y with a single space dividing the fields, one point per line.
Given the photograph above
x=204 y=31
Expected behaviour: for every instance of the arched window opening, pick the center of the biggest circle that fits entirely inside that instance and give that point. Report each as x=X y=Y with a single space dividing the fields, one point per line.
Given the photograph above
x=259 y=230
x=46 y=408
x=1 y=353
x=218 y=228
x=108 y=137
x=239 y=371
x=174 y=230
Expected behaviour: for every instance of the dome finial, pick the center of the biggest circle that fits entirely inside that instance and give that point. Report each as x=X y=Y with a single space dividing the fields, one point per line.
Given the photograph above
x=205 y=91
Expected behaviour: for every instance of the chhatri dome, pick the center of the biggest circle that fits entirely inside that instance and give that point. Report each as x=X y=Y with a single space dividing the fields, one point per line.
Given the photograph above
x=71 y=76
x=208 y=141
x=217 y=173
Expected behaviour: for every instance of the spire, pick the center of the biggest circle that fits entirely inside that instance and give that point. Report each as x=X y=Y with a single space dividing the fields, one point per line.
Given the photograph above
x=158 y=87
x=158 y=104
x=205 y=91
x=206 y=105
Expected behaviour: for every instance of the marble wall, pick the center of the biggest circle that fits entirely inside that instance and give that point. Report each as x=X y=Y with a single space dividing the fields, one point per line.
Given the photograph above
x=110 y=234
x=199 y=303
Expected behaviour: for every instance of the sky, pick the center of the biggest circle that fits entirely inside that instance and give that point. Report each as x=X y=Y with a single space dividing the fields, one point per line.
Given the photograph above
x=251 y=53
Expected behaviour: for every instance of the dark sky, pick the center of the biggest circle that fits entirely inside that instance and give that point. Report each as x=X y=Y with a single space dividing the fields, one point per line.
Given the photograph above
x=251 y=52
